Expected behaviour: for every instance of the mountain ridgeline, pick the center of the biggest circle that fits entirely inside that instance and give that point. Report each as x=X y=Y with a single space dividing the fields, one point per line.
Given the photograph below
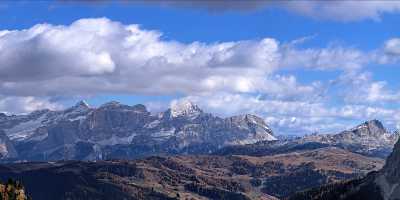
x=369 y=138
x=114 y=130
x=117 y=131
x=381 y=185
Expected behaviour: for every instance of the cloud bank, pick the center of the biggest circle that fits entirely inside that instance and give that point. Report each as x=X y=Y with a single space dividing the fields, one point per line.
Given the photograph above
x=99 y=57
x=93 y=56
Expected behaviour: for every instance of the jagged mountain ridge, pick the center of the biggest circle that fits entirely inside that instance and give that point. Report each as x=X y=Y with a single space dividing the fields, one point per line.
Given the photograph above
x=369 y=138
x=115 y=130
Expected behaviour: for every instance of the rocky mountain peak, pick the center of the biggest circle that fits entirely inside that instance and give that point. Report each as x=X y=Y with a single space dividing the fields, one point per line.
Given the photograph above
x=82 y=104
x=372 y=128
x=249 y=119
x=79 y=106
x=254 y=119
x=111 y=104
x=184 y=108
x=375 y=124
x=115 y=105
x=139 y=108
x=256 y=125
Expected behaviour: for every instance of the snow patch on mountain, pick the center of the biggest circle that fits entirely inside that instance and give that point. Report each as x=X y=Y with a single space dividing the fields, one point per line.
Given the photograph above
x=25 y=129
x=184 y=108
x=164 y=133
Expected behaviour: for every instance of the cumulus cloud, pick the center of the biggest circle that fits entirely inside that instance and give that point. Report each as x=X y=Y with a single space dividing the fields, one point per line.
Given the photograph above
x=360 y=88
x=93 y=56
x=390 y=53
x=45 y=52
x=392 y=46
x=105 y=56
x=329 y=58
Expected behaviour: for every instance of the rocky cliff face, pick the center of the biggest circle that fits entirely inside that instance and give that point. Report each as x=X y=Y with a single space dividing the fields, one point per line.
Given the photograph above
x=7 y=149
x=388 y=179
x=114 y=130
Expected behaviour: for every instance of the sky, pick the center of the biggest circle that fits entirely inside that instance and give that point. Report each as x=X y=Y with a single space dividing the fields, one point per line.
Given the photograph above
x=304 y=66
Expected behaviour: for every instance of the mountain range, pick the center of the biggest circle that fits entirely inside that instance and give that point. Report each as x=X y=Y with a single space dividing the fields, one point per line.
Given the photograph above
x=126 y=152
x=117 y=131
x=114 y=130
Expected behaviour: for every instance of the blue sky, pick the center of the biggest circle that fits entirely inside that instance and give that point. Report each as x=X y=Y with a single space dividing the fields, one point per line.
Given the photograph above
x=303 y=66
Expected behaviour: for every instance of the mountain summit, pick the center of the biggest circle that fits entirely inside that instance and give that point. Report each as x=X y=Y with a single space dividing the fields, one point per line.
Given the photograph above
x=368 y=138
x=373 y=128
x=184 y=108
x=82 y=104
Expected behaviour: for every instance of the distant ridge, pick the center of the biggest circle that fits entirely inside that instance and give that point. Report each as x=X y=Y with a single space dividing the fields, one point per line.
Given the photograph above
x=369 y=138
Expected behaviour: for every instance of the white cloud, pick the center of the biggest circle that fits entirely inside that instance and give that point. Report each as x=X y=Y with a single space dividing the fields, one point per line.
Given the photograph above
x=25 y=104
x=330 y=58
x=99 y=55
x=392 y=46
x=390 y=53
x=378 y=92
x=93 y=56
x=360 y=88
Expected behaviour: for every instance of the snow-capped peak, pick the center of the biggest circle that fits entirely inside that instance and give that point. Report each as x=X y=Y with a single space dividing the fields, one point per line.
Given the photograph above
x=82 y=104
x=183 y=108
